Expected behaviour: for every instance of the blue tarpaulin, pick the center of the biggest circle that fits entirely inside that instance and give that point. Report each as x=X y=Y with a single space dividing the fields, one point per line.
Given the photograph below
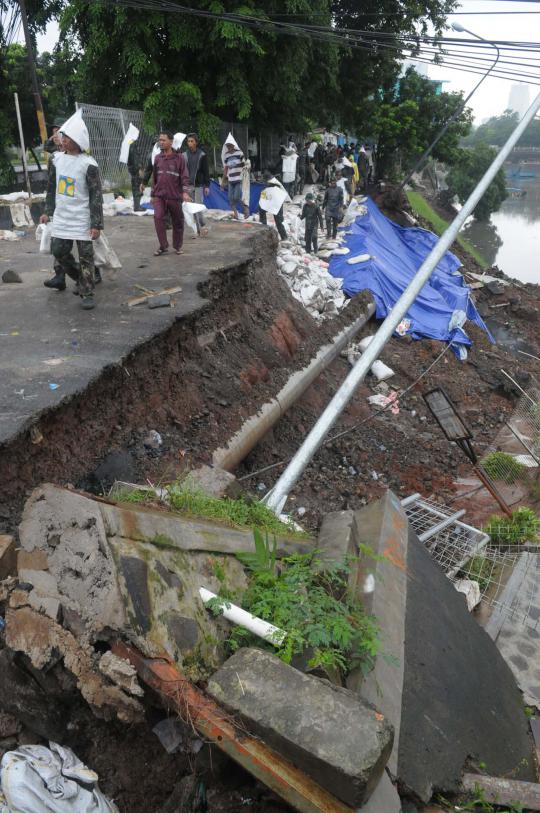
x=396 y=254
x=217 y=199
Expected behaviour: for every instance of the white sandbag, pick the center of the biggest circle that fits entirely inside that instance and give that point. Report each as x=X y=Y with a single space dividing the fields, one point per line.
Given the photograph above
x=378 y=400
x=364 y=343
x=289 y=268
x=43 y=235
x=20 y=215
x=360 y=258
x=381 y=371
x=104 y=255
x=191 y=209
x=36 y=779
x=340 y=251
x=272 y=199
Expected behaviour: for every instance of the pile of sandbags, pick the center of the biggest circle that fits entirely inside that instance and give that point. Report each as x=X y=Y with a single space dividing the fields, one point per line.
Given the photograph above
x=310 y=283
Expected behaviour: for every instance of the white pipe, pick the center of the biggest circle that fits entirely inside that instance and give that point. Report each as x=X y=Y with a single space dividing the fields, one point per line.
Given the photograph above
x=277 y=497
x=237 y=615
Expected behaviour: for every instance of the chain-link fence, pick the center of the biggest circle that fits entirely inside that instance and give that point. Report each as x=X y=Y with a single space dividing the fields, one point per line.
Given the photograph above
x=107 y=127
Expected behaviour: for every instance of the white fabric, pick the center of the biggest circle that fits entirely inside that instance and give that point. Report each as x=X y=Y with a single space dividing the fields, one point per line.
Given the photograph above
x=229 y=140
x=76 y=129
x=272 y=199
x=43 y=235
x=190 y=209
x=156 y=149
x=131 y=136
x=178 y=140
x=36 y=779
x=104 y=255
x=288 y=172
x=71 y=219
x=246 y=182
x=311 y=149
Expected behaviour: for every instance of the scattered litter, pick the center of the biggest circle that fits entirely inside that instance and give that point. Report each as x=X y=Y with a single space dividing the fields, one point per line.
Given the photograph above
x=301 y=511
x=43 y=236
x=11 y=276
x=364 y=343
x=54 y=362
x=36 y=779
x=374 y=475
x=403 y=327
x=104 y=255
x=53 y=386
x=381 y=400
x=237 y=615
x=261 y=486
x=381 y=371
x=148 y=294
x=159 y=301
x=6 y=234
x=378 y=400
x=153 y=440
x=471 y=591
x=36 y=435
x=120 y=672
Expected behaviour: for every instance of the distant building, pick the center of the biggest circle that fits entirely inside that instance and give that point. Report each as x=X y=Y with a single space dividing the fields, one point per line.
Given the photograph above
x=518 y=99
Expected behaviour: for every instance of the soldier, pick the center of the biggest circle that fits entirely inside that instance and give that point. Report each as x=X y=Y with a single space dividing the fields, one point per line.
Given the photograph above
x=134 y=169
x=75 y=203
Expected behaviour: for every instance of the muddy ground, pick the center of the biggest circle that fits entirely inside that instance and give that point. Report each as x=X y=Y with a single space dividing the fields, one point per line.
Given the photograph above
x=195 y=385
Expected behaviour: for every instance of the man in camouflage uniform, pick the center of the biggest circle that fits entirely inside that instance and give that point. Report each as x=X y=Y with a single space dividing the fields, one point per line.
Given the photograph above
x=74 y=201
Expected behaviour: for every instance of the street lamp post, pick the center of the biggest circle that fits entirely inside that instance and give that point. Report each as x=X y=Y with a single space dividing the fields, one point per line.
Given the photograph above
x=458 y=112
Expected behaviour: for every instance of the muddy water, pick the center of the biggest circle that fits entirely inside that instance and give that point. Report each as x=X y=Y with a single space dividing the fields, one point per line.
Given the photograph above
x=511 y=239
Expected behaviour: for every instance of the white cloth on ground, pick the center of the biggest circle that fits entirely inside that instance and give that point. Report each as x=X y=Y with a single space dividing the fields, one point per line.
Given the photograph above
x=36 y=779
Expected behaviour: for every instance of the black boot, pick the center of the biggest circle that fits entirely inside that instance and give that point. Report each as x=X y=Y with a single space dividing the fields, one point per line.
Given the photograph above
x=58 y=282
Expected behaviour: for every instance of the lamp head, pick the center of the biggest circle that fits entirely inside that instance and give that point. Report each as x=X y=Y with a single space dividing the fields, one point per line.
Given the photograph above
x=458 y=27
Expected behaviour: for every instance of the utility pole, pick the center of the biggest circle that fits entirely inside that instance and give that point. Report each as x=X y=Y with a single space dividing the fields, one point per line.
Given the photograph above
x=35 y=86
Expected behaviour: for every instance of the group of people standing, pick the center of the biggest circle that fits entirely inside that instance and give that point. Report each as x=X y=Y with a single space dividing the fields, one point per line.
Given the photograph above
x=179 y=172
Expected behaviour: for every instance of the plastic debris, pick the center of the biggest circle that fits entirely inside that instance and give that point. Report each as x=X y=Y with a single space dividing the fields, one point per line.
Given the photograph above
x=53 y=386
x=471 y=591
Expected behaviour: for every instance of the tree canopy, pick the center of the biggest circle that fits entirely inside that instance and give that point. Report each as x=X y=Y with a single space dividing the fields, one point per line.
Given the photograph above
x=497 y=129
x=465 y=174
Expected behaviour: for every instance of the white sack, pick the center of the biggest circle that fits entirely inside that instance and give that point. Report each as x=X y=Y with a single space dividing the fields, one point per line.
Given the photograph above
x=131 y=136
x=76 y=129
x=360 y=258
x=272 y=199
x=365 y=342
x=36 y=779
x=191 y=209
x=178 y=140
x=381 y=371
x=43 y=235
x=104 y=255
x=20 y=215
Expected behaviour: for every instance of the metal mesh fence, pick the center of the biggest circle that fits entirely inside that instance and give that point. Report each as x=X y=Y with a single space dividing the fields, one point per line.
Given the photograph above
x=525 y=420
x=107 y=127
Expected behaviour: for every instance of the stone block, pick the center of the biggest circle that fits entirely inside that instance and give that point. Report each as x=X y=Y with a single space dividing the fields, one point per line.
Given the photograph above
x=7 y=556
x=159 y=301
x=19 y=598
x=213 y=481
x=49 y=605
x=32 y=560
x=43 y=582
x=328 y=732
x=135 y=573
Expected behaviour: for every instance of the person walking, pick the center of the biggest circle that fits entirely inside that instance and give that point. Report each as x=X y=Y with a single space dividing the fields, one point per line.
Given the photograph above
x=74 y=201
x=199 y=178
x=311 y=213
x=272 y=183
x=233 y=163
x=332 y=205
x=134 y=169
x=363 y=168
x=170 y=183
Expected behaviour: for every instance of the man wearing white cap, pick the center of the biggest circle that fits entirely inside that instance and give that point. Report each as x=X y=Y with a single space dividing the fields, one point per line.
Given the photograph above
x=75 y=203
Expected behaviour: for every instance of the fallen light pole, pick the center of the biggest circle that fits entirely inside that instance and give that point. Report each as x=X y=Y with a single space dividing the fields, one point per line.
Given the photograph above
x=456 y=431
x=277 y=497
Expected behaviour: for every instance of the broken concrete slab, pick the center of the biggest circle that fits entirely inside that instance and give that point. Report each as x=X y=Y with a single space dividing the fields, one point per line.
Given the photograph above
x=120 y=672
x=460 y=699
x=68 y=528
x=184 y=533
x=384 y=799
x=7 y=556
x=328 y=732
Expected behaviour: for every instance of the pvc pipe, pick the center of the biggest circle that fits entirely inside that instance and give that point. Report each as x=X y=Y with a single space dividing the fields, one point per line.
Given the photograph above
x=237 y=615
x=277 y=497
x=255 y=427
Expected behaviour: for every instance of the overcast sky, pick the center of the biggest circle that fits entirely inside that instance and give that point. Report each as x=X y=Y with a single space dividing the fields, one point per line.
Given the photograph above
x=491 y=99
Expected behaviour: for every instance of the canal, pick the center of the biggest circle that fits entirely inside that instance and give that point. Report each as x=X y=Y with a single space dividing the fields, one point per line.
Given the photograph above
x=511 y=239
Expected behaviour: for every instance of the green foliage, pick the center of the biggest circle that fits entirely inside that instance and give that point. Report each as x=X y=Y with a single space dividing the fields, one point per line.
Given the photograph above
x=502 y=466
x=311 y=602
x=237 y=513
x=467 y=170
x=263 y=560
x=478 y=569
x=497 y=130
x=422 y=209
x=521 y=527
x=479 y=804
x=406 y=118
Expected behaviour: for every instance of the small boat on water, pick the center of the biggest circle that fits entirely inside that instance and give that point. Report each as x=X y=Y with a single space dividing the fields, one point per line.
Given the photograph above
x=514 y=192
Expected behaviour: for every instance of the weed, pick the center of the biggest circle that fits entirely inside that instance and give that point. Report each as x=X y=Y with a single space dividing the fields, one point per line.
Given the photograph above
x=529 y=712
x=504 y=467
x=422 y=208
x=478 y=569
x=311 y=601
x=521 y=527
x=479 y=804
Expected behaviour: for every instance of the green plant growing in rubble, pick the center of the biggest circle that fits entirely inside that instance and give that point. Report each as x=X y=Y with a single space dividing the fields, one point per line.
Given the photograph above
x=521 y=527
x=478 y=570
x=502 y=466
x=479 y=804
x=311 y=601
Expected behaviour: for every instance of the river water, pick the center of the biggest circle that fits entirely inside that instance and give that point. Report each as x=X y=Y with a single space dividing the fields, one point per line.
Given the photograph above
x=511 y=239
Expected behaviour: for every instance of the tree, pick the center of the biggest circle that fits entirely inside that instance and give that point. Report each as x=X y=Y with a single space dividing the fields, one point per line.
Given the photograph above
x=497 y=130
x=466 y=173
x=406 y=119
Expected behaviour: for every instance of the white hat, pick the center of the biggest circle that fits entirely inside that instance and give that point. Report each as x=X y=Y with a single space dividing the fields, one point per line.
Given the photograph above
x=76 y=129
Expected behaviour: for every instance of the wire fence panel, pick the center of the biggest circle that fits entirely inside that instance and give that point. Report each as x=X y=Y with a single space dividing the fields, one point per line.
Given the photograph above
x=525 y=420
x=107 y=127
